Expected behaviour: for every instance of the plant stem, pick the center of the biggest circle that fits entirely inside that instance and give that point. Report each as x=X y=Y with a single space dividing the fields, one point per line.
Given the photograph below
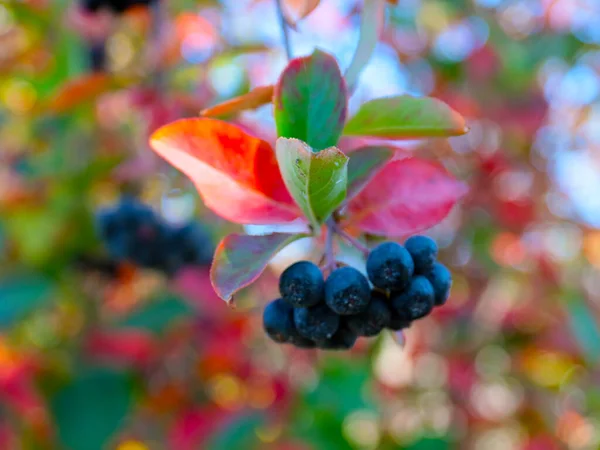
x=329 y=253
x=158 y=21
x=284 y=29
x=351 y=240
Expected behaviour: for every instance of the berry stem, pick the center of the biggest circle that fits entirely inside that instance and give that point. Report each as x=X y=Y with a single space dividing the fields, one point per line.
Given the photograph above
x=329 y=253
x=284 y=29
x=351 y=240
x=158 y=22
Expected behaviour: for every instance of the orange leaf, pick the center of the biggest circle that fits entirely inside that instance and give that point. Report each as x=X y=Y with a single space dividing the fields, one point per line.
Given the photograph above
x=256 y=97
x=235 y=173
x=79 y=90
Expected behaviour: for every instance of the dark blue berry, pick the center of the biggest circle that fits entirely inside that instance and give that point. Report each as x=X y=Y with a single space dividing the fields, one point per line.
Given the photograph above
x=398 y=322
x=97 y=56
x=441 y=279
x=118 y=6
x=416 y=301
x=133 y=232
x=373 y=320
x=278 y=321
x=302 y=284
x=191 y=244
x=343 y=339
x=317 y=322
x=423 y=251
x=301 y=342
x=92 y=5
x=347 y=291
x=390 y=266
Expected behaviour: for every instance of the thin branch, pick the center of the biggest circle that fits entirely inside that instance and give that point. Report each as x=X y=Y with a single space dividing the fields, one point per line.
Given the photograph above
x=284 y=29
x=329 y=253
x=158 y=15
x=352 y=241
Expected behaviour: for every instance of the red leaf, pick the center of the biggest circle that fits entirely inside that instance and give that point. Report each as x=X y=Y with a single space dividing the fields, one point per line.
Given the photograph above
x=235 y=173
x=407 y=196
x=193 y=428
x=128 y=347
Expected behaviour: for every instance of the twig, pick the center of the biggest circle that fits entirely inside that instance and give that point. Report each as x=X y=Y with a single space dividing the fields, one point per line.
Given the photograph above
x=351 y=240
x=158 y=21
x=284 y=29
x=329 y=253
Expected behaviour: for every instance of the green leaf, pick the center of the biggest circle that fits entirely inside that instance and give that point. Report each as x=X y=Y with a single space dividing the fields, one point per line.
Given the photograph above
x=372 y=21
x=322 y=411
x=429 y=444
x=316 y=181
x=91 y=409
x=21 y=295
x=311 y=101
x=240 y=259
x=363 y=166
x=35 y=232
x=584 y=327
x=239 y=433
x=157 y=315
x=406 y=117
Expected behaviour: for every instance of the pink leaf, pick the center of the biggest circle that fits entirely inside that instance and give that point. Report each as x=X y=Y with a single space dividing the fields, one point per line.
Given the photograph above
x=240 y=259
x=407 y=196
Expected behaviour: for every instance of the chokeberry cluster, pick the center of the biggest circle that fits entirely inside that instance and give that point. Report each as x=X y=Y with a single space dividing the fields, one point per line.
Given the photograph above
x=406 y=284
x=133 y=232
x=116 y=6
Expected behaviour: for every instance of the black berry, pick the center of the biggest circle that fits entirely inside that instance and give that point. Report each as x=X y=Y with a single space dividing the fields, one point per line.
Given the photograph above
x=97 y=56
x=190 y=244
x=390 y=266
x=373 y=320
x=347 y=291
x=317 y=322
x=416 y=301
x=133 y=232
x=423 y=251
x=117 y=6
x=301 y=342
x=278 y=321
x=343 y=339
x=302 y=284
x=441 y=279
x=398 y=322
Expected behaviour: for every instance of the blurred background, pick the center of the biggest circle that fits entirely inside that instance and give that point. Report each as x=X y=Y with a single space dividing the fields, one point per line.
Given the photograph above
x=96 y=354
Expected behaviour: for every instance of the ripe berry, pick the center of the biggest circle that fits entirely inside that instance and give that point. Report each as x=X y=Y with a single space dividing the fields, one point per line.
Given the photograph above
x=302 y=284
x=441 y=279
x=397 y=322
x=416 y=301
x=133 y=232
x=347 y=291
x=390 y=266
x=317 y=322
x=278 y=321
x=117 y=6
x=97 y=56
x=343 y=339
x=191 y=244
x=423 y=251
x=373 y=320
x=301 y=342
